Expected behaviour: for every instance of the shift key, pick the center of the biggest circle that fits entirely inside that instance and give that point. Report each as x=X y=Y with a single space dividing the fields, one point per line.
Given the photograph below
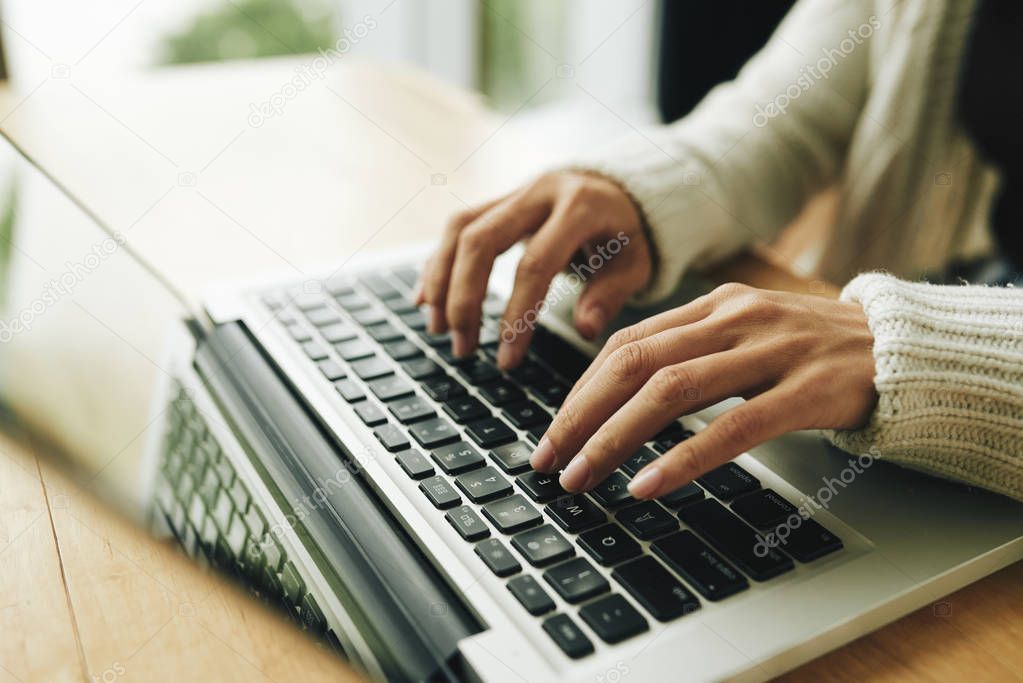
x=704 y=569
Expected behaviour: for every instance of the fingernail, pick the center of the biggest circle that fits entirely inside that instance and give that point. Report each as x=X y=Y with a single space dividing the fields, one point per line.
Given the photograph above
x=436 y=323
x=543 y=457
x=505 y=356
x=576 y=475
x=459 y=343
x=646 y=483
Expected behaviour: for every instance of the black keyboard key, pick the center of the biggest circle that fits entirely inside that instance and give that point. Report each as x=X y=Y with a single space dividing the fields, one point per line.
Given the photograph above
x=314 y=350
x=421 y=368
x=369 y=316
x=411 y=409
x=653 y=587
x=467 y=523
x=557 y=353
x=532 y=596
x=523 y=414
x=349 y=390
x=352 y=302
x=497 y=557
x=735 y=540
x=407 y=274
x=402 y=349
x=436 y=340
x=701 y=567
x=465 y=409
x=354 y=349
x=541 y=487
x=414 y=463
x=338 y=332
x=511 y=514
x=576 y=580
x=536 y=432
x=501 y=392
x=808 y=542
x=458 y=458
x=690 y=493
x=664 y=442
x=379 y=286
x=434 y=432
x=613 y=492
x=640 y=459
x=440 y=493
x=647 y=520
x=331 y=369
x=449 y=357
x=513 y=457
x=575 y=513
x=572 y=641
x=543 y=546
x=391 y=438
x=551 y=392
x=414 y=319
x=484 y=484
x=299 y=333
x=322 y=316
x=479 y=371
x=400 y=306
x=371 y=368
x=613 y=619
x=371 y=413
x=490 y=432
x=443 y=388
x=390 y=388
x=529 y=372
x=385 y=332
x=728 y=481
x=763 y=509
x=609 y=545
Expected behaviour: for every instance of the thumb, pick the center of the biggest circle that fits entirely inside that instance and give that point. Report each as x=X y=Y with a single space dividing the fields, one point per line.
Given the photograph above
x=605 y=294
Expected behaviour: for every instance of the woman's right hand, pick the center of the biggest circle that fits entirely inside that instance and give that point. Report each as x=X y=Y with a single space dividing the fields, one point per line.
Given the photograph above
x=560 y=215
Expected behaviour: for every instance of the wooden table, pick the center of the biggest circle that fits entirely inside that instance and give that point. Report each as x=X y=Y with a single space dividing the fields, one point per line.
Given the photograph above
x=374 y=157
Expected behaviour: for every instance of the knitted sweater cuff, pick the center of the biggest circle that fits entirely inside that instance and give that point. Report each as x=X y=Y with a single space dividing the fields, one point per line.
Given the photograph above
x=949 y=380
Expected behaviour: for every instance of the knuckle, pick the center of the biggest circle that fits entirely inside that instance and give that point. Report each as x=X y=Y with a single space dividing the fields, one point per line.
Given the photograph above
x=564 y=428
x=741 y=426
x=689 y=463
x=628 y=361
x=462 y=311
x=672 y=384
x=460 y=219
x=730 y=290
x=474 y=240
x=625 y=336
x=531 y=266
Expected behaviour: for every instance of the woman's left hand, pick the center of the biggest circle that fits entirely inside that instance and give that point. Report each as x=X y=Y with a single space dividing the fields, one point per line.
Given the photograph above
x=801 y=362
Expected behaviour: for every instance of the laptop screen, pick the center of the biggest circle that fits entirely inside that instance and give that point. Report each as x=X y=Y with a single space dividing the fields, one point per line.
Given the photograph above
x=83 y=328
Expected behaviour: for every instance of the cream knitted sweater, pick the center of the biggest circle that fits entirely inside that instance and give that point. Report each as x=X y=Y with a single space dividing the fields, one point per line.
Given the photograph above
x=858 y=94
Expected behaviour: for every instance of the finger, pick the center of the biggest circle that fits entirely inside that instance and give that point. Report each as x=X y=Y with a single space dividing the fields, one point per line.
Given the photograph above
x=695 y=311
x=433 y=282
x=672 y=391
x=478 y=246
x=609 y=288
x=548 y=251
x=618 y=379
x=764 y=417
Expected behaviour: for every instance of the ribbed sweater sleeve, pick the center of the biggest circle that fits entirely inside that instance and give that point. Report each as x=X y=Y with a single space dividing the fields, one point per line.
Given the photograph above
x=949 y=380
x=741 y=166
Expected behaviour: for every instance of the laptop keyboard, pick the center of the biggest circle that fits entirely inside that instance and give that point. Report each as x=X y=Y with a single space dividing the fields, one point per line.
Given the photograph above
x=464 y=431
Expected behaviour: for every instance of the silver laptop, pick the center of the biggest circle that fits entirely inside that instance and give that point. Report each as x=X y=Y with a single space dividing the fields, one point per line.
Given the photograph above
x=314 y=442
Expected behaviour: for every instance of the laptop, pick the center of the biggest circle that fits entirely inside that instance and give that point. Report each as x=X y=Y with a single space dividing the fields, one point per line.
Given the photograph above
x=312 y=440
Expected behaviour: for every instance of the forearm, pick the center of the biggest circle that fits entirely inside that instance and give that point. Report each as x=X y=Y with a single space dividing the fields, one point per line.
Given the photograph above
x=949 y=379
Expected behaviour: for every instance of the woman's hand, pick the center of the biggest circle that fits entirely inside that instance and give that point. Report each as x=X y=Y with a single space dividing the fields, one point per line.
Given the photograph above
x=561 y=214
x=801 y=362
